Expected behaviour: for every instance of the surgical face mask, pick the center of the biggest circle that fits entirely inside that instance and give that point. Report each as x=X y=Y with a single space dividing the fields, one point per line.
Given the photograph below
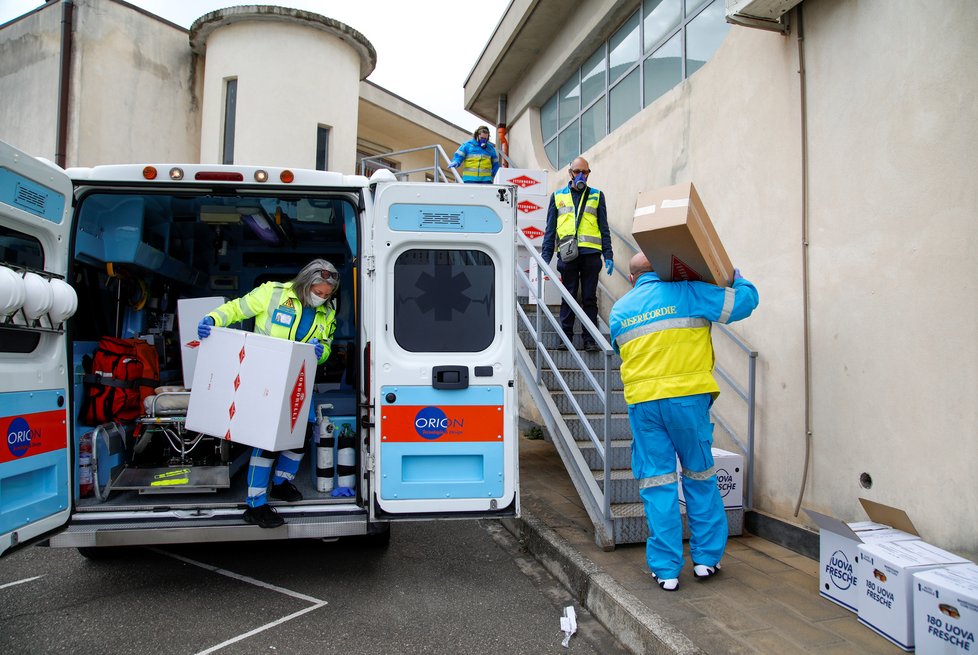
x=580 y=182
x=313 y=300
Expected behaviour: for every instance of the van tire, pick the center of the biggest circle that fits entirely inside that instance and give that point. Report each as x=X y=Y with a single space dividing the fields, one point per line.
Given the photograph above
x=380 y=539
x=97 y=554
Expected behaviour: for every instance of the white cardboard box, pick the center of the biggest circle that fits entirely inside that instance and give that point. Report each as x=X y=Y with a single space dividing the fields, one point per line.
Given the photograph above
x=886 y=580
x=531 y=207
x=252 y=389
x=729 y=469
x=528 y=180
x=551 y=295
x=945 y=610
x=838 y=548
x=533 y=229
x=189 y=313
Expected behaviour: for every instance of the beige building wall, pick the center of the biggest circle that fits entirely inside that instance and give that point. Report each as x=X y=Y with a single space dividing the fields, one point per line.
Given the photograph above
x=890 y=91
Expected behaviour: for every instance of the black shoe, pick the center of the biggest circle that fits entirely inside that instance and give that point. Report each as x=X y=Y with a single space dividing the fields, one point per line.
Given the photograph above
x=263 y=516
x=285 y=491
x=591 y=347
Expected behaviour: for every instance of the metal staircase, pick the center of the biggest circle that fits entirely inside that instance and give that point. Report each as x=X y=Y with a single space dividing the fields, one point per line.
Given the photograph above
x=581 y=401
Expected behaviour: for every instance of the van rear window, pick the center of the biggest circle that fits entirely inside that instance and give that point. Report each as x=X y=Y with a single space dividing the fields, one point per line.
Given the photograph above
x=444 y=300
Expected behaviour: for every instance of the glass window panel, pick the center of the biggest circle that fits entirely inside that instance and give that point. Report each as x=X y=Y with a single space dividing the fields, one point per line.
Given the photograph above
x=548 y=118
x=444 y=300
x=693 y=5
x=570 y=144
x=593 y=78
x=592 y=125
x=624 y=99
x=570 y=98
x=551 y=149
x=624 y=47
x=704 y=35
x=664 y=69
x=661 y=18
x=322 y=148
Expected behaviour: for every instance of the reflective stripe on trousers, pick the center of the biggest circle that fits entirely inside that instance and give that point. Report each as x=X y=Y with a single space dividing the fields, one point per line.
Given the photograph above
x=661 y=430
x=260 y=469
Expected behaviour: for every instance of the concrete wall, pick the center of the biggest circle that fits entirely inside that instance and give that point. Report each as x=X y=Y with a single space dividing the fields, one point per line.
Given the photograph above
x=290 y=81
x=134 y=94
x=29 y=62
x=891 y=146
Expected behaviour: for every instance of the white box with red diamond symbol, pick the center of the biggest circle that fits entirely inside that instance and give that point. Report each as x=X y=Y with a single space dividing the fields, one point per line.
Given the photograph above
x=252 y=389
x=529 y=180
x=189 y=313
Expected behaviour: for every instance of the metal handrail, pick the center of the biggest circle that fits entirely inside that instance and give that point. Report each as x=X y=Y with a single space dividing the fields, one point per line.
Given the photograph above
x=438 y=154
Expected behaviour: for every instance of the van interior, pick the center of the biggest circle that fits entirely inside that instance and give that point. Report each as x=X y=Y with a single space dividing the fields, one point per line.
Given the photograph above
x=135 y=255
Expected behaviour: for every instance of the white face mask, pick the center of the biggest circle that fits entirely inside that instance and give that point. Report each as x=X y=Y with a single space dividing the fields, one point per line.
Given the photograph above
x=313 y=300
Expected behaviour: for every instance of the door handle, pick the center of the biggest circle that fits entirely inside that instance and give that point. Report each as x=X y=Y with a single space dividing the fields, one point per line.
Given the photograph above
x=450 y=377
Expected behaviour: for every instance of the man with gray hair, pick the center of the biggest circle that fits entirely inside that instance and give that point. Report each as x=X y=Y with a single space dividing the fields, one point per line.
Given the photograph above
x=303 y=310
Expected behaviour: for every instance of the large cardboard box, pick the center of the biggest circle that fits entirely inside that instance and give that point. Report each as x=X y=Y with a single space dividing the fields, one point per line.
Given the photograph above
x=729 y=469
x=945 y=610
x=531 y=207
x=886 y=580
x=189 y=313
x=528 y=180
x=838 y=547
x=252 y=389
x=674 y=231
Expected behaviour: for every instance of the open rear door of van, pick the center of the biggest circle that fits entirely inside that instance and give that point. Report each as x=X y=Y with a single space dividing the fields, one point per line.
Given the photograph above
x=444 y=440
x=35 y=456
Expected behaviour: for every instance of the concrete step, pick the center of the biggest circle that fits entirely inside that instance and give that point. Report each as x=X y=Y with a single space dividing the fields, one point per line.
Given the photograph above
x=630 y=526
x=590 y=402
x=621 y=454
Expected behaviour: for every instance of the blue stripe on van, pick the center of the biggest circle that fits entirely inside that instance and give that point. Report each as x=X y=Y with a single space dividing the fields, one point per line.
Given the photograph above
x=416 y=471
x=29 y=196
x=486 y=395
x=472 y=219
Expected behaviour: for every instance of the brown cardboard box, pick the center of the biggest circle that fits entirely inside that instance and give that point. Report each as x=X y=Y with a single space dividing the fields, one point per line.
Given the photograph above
x=674 y=231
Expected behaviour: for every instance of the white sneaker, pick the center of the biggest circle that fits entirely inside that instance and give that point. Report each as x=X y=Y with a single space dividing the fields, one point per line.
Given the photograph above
x=704 y=571
x=669 y=584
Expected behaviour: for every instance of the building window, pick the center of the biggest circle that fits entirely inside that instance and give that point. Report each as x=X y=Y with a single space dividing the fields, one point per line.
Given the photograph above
x=230 y=108
x=655 y=49
x=322 y=148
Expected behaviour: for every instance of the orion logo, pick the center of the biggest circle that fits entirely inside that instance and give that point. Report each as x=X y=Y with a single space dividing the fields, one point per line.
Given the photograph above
x=840 y=570
x=432 y=423
x=19 y=436
x=725 y=482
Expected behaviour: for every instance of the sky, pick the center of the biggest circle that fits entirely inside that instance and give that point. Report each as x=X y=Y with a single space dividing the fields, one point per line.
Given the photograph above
x=425 y=48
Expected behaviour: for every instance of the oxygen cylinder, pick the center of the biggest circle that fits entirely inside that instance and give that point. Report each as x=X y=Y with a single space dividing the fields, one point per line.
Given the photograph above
x=325 y=445
x=346 y=458
x=85 y=480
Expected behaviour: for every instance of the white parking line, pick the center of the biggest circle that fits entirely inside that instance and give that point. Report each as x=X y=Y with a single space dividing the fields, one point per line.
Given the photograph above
x=11 y=584
x=316 y=602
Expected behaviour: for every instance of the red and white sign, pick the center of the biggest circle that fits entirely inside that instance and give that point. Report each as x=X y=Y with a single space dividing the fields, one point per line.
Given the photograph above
x=252 y=389
x=532 y=232
x=529 y=180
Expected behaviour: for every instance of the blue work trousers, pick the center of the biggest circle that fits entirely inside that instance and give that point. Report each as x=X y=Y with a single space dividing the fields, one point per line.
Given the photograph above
x=661 y=430
x=580 y=274
x=260 y=470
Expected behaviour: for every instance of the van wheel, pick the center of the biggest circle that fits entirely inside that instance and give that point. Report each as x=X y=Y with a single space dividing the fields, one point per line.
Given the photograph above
x=380 y=539
x=97 y=554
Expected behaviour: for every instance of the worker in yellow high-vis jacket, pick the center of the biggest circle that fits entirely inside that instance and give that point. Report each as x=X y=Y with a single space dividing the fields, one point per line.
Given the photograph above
x=662 y=331
x=303 y=310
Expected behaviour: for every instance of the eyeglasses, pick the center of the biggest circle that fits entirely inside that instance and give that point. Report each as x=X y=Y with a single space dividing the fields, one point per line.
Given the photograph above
x=578 y=171
x=329 y=275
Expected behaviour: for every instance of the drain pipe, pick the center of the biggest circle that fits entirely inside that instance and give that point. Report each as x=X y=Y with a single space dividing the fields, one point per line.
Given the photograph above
x=806 y=297
x=64 y=79
x=502 y=142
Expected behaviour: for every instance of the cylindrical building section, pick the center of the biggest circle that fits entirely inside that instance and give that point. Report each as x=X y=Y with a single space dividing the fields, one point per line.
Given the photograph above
x=281 y=87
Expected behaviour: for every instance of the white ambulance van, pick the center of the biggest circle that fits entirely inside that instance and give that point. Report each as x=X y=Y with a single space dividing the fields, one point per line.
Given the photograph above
x=418 y=392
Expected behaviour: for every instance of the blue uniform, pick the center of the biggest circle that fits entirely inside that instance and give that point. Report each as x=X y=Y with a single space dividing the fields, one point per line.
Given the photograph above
x=479 y=164
x=662 y=331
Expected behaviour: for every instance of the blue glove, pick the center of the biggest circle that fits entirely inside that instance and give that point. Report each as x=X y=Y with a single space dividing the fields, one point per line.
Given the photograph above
x=204 y=327
x=737 y=275
x=453 y=165
x=609 y=265
x=319 y=348
x=342 y=491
